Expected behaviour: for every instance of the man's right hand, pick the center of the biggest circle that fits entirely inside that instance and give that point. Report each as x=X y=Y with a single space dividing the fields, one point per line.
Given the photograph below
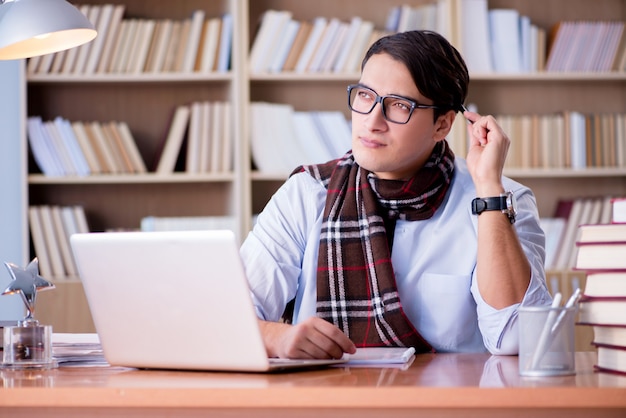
x=314 y=338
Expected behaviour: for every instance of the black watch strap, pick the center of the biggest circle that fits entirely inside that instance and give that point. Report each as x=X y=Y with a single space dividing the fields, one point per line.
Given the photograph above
x=482 y=204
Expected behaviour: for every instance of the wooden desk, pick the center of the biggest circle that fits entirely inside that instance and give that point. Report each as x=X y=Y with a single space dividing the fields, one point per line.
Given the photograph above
x=439 y=385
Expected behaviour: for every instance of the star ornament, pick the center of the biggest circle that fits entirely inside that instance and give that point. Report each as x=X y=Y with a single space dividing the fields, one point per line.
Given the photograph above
x=26 y=282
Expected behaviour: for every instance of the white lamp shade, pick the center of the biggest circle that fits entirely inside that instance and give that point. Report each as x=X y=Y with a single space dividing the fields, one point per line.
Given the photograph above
x=36 y=27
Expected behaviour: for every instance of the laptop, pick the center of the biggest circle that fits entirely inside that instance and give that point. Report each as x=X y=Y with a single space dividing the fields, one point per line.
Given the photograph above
x=174 y=300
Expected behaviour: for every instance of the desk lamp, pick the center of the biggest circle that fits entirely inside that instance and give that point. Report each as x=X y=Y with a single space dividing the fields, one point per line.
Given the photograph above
x=36 y=27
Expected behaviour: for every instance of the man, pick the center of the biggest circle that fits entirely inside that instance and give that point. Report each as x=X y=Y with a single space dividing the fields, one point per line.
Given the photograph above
x=399 y=242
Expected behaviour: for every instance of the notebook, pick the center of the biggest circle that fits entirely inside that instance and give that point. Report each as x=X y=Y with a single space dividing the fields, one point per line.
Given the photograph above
x=173 y=300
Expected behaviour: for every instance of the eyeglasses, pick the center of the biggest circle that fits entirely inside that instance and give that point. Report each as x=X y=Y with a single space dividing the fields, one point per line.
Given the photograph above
x=396 y=109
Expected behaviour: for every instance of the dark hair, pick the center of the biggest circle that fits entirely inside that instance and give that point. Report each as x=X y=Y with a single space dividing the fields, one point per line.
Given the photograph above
x=437 y=68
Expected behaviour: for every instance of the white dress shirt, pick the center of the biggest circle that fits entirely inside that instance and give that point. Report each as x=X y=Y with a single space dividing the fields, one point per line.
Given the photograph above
x=434 y=262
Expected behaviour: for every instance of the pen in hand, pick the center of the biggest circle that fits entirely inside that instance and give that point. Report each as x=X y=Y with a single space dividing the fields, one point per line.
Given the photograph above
x=464 y=109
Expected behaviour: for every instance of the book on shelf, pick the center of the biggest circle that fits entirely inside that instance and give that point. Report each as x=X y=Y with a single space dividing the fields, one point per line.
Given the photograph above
x=562 y=229
x=207 y=57
x=618 y=212
x=84 y=50
x=50 y=229
x=187 y=223
x=174 y=140
x=226 y=43
x=318 y=27
x=193 y=41
x=279 y=147
x=611 y=359
x=269 y=35
x=585 y=46
x=102 y=26
x=110 y=38
x=39 y=242
x=62 y=148
x=474 y=39
x=139 y=45
x=277 y=61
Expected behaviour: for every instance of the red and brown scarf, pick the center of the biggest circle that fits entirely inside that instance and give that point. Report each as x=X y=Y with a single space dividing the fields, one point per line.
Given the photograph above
x=356 y=286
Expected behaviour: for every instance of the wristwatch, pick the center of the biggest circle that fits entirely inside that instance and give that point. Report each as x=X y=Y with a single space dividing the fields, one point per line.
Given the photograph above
x=505 y=203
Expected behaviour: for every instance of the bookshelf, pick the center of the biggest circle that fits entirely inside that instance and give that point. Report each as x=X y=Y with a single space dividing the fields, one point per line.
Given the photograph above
x=146 y=101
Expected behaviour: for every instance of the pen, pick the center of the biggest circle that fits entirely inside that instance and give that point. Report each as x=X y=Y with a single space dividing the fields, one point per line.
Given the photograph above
x=464 y=109
x=570 y=302
x=544 y=338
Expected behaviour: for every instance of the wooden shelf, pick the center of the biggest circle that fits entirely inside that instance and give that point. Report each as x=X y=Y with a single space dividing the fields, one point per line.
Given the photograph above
x=145 y=102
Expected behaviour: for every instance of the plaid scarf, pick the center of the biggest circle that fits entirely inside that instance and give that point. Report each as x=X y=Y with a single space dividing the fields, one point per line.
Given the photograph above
x=356 y=287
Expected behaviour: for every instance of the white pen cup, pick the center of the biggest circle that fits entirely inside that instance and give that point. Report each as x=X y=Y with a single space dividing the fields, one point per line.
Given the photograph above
x=546 y=341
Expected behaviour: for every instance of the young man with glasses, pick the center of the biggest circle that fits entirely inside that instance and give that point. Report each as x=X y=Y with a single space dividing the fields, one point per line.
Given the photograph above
x=400 y=242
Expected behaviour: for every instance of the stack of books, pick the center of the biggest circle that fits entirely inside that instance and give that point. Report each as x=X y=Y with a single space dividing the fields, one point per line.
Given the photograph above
x=602 y=255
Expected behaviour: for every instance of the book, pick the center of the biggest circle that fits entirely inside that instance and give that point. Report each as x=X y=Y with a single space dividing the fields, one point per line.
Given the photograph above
x=112 y=34
x=193 y=41
x=298 y=44
x=227 y=145
x=475 y=42
x=283 y=48
x=156 y=60
x=94 y=156
x=71 y=54
x=602 y=311
x=611 y=359
x=618 y=210
x=504 y=40
x=85 y=49
x=183 y=38
x=267 y=39
x=319 y=25
x=64 y=128
x=193 y=138
x=609 y=335
x=52 y=245
x=63 y=241
x=122 y=129
x=62 y=150
x=208 y=54
x=122 y=157
x=206 y=127
x=102 y=26
x=39 y=241
x=141 y=47
x=186 y=223
x=217 y=136
x=104 y=145
x=325 y=44
x=610 y=283
x=40 y=150
x=225 y=45
x=348 y=44
x=595 y=256
x=601 y=233
x=174 y=140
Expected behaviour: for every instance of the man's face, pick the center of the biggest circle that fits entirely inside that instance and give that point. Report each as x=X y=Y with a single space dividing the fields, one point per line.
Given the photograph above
x=391 y=150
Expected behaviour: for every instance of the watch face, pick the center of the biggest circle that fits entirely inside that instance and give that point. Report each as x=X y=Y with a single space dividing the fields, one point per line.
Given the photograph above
x=511 y=206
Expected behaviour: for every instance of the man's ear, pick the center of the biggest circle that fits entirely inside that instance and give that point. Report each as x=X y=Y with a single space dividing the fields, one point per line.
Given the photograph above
x=443 y=124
